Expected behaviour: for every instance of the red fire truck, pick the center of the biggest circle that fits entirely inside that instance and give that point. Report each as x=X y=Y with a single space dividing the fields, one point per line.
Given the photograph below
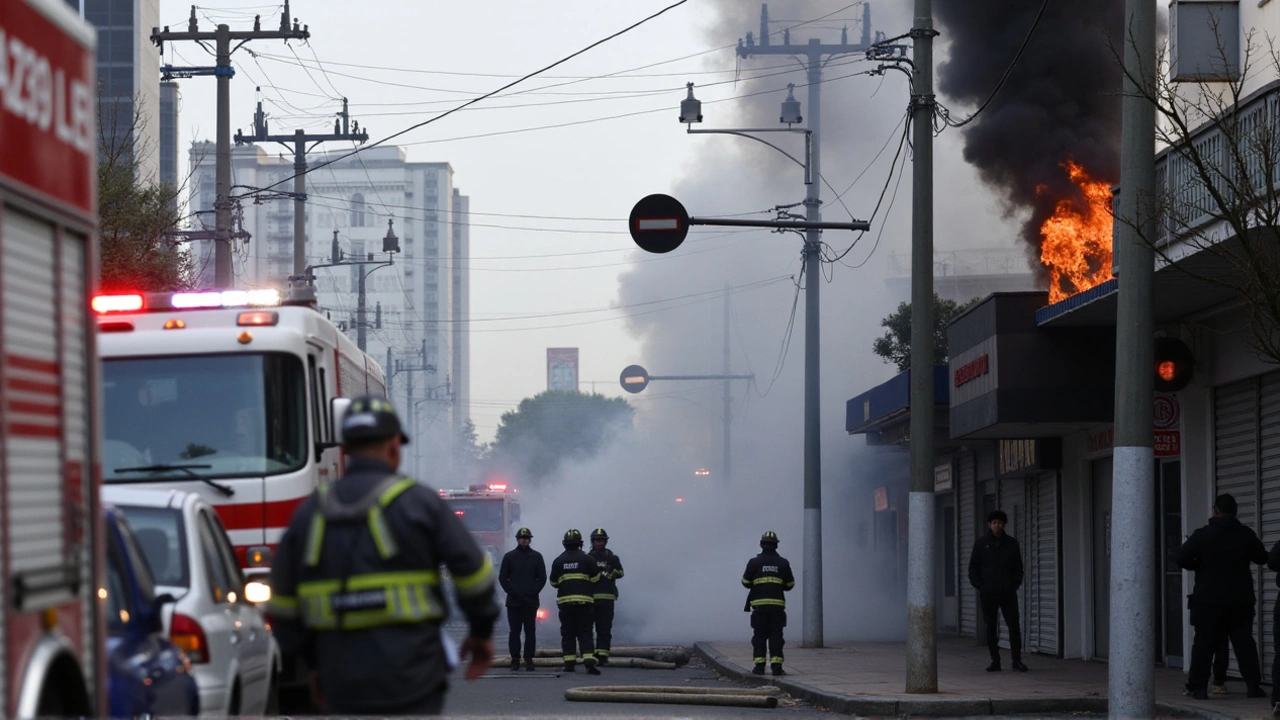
x=490 y=511
x=51 y=630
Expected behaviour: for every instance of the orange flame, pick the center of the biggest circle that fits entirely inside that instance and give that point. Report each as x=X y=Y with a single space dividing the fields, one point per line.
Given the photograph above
x=1076 y=241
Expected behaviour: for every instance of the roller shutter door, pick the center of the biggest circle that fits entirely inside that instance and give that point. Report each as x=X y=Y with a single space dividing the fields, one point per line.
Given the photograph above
x=1269 y=529
x=968 y=534
x=1044 y=591
x=1013 y=501
x=1235 y=451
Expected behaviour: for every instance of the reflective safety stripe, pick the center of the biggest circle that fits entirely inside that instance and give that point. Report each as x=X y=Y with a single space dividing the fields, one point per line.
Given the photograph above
x=315 y=539
x=606 y=596
x=791 y=585
x=777 y=659
x=575 y=599
x=746 y=582
x=602 y=653
x=759 y=661
x=763 y=602
x=768 y=580
x=574 y=576
x=615 y=574
x=570 y=658
x=589 y=658
x=382 y=537
x=394 y=491
x=477 y=582
x=370 y=600
x=555 y=583
x=283 y=606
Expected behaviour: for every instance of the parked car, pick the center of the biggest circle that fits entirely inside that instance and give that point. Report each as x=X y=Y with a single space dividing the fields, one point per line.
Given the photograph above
x=146 y=673
x=235 y=660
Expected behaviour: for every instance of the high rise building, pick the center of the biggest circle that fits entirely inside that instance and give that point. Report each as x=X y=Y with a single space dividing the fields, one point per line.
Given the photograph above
x=128 y=76
x=170 y=107
x=423 y=295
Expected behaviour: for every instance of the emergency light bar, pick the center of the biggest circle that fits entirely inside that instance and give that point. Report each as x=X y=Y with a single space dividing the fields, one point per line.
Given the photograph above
x=139 y=302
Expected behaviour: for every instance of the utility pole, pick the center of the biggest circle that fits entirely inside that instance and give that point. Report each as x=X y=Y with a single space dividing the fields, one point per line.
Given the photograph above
x=1133 y=531
x=922 y=621
x=813 y=53
x=726 y=471
x=222 y=37
x=390 y=246
x=342 y=130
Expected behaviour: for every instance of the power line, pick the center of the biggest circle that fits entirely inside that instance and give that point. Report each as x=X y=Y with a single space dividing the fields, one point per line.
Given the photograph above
x=511 y=84
x=1007 y=71
x=906 y=126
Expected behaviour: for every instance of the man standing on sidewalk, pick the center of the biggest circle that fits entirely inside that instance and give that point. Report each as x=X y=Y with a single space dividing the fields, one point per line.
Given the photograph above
x=1223 y=601
x=995 y=570
x=523 y=575
x=768 y=577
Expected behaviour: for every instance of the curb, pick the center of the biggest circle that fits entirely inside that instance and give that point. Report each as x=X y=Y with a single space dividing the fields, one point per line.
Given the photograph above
x=873 y=706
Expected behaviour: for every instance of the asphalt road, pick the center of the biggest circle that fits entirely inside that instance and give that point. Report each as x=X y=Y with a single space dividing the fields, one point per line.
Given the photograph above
x=506 y=693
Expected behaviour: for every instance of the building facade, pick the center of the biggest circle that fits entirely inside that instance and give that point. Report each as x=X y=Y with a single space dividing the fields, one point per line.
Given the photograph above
x=128 y=76
x=421 y=299
x=170 y=110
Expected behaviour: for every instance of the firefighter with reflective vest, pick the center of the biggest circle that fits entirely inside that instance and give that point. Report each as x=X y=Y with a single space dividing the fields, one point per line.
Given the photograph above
x=574 y=576
x=768 y=577
x=606 y=593
x=356 y=581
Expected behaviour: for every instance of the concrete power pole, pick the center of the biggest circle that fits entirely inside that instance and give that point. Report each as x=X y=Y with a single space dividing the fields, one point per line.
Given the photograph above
x=1133 y=531
x=222 y=37
x=726 y=471
x=813 y=53
x=342 y=130
x=922 y=622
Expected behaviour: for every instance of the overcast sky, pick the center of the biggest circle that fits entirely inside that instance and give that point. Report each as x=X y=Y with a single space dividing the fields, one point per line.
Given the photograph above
x=550 y=203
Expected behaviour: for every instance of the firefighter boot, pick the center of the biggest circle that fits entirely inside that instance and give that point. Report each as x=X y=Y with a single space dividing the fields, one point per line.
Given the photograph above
x=758 y=669
x=591 y=666
x=570 y=667
x=777 y=670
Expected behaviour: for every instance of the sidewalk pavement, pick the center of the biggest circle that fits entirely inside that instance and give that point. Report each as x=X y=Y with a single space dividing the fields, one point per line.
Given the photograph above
x=868 y=679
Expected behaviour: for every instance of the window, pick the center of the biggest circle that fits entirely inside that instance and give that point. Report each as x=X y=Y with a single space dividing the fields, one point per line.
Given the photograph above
x=315 y=401
x=205 y=415
x=227 y=554
x=220 y=582
x=161 y=536
x=358 y=211
x=324 y=407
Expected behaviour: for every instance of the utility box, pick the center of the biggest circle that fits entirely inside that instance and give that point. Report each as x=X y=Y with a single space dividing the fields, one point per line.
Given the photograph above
x=1204 y=40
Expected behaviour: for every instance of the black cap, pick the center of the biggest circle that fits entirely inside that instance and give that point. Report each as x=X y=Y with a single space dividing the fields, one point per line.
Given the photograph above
x=371 y=418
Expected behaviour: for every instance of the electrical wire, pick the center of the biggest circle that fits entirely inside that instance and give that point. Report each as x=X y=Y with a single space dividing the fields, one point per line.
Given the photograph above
x=511 y=84
x=880 y=234
x=1007 y=72
x=786 y=338
x=888 y=180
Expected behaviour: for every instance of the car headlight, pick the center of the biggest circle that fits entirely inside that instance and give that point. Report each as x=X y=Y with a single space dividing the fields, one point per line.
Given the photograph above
x=257 y=592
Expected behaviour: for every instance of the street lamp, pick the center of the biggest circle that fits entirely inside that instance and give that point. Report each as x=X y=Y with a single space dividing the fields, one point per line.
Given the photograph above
x=691 y=112
x=390 y=246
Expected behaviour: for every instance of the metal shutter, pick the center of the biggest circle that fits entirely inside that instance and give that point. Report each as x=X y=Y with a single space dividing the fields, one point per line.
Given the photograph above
x=1013 y=501
x=1269 y=530
x=33 y=390
x=1043 y=560
x=1235 y=451
x=966 y=482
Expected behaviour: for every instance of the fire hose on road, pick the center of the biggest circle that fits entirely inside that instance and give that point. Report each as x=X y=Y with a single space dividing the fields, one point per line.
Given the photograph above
x=648 y=658
x=762 y=697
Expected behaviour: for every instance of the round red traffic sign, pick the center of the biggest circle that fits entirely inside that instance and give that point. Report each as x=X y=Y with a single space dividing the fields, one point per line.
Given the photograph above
x=658 y=223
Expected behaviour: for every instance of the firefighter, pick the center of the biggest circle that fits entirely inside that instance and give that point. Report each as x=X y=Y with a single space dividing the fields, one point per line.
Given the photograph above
x=357 y=584
x=768 y=577
x=606 y=593
x=523 y=574
x=574 y=576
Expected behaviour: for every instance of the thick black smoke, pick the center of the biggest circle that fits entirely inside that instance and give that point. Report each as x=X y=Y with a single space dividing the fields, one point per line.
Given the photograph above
x=1062 y=100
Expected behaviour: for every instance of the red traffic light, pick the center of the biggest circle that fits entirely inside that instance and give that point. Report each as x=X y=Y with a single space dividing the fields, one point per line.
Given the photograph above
x=1174 y=364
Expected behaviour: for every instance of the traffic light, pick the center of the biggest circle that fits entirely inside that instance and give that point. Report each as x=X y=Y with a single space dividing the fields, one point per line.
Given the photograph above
x=1174 y=364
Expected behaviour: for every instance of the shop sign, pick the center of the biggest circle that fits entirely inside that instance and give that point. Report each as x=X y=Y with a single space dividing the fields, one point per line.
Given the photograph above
x=882 y=499
x=1168 y=443
x=1101 y=440
x=972 y=370
x=1021 y=457
x=942 y=478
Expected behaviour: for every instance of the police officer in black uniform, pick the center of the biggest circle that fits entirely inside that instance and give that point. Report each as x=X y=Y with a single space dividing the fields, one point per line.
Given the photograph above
x=768 y=576
x=523 y=574
x=574 y=576
x=606 y=593
x=356 y=580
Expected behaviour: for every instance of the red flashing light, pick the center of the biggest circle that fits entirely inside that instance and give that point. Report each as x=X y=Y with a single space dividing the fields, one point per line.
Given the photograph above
x=498 y=487
x=258 y=318
x=1167 y=370
x=542 y=614
x=116 y=303
x=118 y=326
x=679 y=500
x=459 y=513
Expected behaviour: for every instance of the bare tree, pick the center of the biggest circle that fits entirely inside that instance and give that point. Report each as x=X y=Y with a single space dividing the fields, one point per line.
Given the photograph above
x=137 y=217
x=1218 y=189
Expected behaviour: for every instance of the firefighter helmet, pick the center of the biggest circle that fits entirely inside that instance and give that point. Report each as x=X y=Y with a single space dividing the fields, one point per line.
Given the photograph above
x=572 y=537
x=524 y=533
x=599 y=534
x=769 y=538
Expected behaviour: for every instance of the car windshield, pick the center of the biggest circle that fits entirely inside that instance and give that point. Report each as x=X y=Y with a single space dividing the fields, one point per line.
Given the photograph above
x=203 y=416
x=160 y=533
x=478 y=515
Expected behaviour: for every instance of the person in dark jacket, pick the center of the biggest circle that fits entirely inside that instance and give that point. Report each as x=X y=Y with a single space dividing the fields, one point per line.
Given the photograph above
x=574 y=576
x=995 y=570
x=1273 y=563
x=1222 y=600
x=768 y=577
x=606 y=592
x=356 y=581
x=523 y=574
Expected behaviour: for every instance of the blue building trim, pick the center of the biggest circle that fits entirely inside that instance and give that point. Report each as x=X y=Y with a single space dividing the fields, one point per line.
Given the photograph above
x=890 y=401
x=1077 y=301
